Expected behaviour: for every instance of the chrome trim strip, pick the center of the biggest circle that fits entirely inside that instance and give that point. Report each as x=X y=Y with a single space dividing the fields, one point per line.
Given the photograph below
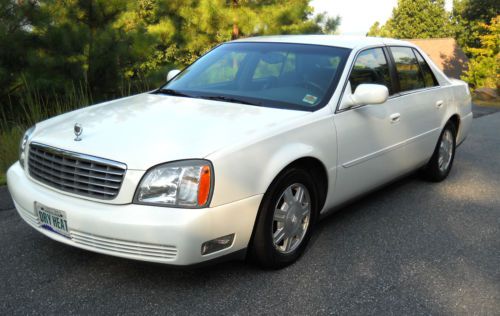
x=75 y=173
x=68 y=170
x=124 y=247
x=46 y=176
x=79 y=156
x=50 y=172
x=385 y=150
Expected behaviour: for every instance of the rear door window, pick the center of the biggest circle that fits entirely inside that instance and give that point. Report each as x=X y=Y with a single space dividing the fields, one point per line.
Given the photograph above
x=408 y=70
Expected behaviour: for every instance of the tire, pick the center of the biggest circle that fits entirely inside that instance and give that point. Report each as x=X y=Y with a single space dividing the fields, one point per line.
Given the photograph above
x=439 y=166
x=284 y=226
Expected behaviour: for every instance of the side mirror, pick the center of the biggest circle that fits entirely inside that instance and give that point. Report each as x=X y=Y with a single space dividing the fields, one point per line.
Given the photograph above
x=365 y=94
x=172 y=73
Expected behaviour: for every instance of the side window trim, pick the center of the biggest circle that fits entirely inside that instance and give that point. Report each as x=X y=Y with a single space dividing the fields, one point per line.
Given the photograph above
x=392 y=69
x=421 y=72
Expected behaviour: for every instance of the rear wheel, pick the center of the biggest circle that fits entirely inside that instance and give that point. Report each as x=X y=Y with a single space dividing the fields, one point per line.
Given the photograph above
x=286 y=219
x=439 y=166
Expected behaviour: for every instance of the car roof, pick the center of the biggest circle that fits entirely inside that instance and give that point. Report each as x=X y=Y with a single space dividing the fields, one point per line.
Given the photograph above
x=352 y=42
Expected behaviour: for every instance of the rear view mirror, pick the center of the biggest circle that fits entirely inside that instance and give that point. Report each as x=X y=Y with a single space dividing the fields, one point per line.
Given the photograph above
x=364 y=94
x=172 y=73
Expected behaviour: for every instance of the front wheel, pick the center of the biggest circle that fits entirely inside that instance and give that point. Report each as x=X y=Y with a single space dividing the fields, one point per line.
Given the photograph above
x=286 y=219
x=439 y=166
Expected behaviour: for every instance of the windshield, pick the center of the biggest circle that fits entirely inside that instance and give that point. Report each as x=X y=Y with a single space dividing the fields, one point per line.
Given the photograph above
x=279 y=75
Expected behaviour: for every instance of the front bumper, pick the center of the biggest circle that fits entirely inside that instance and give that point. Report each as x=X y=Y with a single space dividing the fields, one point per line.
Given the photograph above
x=149 y=233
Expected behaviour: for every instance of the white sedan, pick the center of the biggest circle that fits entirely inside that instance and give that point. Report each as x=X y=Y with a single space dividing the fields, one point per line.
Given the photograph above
x=242 y=152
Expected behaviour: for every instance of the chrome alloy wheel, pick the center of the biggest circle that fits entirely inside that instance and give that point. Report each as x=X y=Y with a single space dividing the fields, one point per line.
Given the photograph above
x=291 y=218
x=445 y=150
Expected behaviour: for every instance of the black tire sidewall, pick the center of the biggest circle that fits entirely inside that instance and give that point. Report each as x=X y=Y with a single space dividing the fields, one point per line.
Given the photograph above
x=432 y=169
x=262 y=248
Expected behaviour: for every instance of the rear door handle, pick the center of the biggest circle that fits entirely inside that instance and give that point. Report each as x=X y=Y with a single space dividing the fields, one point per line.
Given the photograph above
x=395 y=117
x=439 y=104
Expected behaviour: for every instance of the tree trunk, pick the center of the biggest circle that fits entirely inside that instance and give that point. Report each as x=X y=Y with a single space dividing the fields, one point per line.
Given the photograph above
x=236 y=30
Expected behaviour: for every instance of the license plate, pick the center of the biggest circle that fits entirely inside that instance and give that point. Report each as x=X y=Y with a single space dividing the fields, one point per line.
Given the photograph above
x=52 y=219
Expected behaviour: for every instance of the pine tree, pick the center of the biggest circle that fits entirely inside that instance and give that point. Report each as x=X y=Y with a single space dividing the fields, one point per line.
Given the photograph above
x=416 y=19
x=116 y=47
x=468 y=18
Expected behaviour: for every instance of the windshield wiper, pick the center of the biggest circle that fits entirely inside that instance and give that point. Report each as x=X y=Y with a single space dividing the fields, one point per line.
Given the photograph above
x=208 y=97
x=227 y=99
x=173 y=92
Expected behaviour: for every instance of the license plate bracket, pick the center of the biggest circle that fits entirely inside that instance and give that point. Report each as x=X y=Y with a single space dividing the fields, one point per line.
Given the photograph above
x=52 y=219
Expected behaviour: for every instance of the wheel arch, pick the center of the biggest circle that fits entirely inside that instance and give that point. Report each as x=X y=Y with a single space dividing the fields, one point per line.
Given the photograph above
x=309 y=163
x=312 y=165
x=319 y=175
x=455 y=119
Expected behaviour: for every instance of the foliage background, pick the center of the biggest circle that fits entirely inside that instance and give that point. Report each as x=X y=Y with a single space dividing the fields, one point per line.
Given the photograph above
x=115 y=47
x=473 y=23
x=57 y=55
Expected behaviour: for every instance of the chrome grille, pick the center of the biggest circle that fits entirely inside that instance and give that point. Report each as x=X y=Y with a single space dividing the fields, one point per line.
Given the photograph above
x=76 y=173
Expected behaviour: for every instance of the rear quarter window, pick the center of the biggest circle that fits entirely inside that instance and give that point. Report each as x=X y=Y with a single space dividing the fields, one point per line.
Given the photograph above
x=429 y=78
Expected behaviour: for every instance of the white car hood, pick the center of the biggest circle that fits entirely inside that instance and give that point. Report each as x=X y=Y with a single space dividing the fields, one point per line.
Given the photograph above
x=148 y=129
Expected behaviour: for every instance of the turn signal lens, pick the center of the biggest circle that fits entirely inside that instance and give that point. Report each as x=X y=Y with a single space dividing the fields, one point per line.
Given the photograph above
x=217 y=244
x=204 y=186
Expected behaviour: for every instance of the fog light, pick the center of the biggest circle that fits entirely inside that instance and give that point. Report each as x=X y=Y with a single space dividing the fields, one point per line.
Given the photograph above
x=217 y=244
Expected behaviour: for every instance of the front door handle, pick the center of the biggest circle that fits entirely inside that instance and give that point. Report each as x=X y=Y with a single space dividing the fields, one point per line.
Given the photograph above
x=439 y=104
x=395 y=117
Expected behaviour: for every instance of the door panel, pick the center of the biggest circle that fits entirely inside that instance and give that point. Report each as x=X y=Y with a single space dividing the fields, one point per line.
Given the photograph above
x=371 y=147
x=422 y=109
x=377 y=143
x=420 y=91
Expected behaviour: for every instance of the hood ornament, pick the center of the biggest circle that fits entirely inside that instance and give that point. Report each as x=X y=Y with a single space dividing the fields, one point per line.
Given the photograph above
x=78 y=129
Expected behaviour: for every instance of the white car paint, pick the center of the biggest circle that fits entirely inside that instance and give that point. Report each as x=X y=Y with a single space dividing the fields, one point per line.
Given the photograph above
x=360 y=148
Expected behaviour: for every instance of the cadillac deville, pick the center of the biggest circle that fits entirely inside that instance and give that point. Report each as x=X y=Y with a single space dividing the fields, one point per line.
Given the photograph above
x=241 y=153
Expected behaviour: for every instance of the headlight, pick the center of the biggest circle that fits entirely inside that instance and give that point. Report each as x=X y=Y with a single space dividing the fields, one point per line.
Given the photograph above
x=187 y=183
x=22 y=145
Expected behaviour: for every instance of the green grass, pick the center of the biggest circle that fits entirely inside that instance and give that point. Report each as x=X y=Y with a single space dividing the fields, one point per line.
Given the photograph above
x=31 y=107
x=491 y=103
x=9 y=153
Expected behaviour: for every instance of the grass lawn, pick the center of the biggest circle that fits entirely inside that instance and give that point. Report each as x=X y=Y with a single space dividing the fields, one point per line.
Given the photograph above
x=9 y=150
x=494 y=103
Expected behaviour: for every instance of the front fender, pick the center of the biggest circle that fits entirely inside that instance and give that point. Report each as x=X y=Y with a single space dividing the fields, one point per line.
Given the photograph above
x=249 y=170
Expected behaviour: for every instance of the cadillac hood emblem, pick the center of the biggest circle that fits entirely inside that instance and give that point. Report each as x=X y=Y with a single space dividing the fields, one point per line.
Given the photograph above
x=78 y=129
